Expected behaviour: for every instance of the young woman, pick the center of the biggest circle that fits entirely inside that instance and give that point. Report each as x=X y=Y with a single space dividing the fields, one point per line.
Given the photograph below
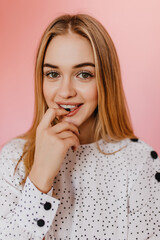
x=79 y=172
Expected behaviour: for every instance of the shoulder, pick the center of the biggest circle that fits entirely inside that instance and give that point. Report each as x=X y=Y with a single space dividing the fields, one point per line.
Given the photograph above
x=139 y=158
x=143 y=175
x=140 y=155
x=12 y=150
x=13 y=144
x=139 y=152
x=9 y=156
x=130 y=149
x=137 y=144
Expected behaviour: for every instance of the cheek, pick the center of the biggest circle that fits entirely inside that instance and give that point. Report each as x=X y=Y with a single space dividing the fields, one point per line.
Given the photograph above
x=48 y=92
x=91 y=94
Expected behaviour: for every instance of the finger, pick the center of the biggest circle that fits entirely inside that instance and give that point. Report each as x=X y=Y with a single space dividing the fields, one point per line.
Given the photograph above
x=50 y=115
x=72 y=142
x=66 y=134
x=63 y=126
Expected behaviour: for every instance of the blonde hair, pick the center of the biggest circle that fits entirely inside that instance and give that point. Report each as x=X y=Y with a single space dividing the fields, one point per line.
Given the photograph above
x=112 y=117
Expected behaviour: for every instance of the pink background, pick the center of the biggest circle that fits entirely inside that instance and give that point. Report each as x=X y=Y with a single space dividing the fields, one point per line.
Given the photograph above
x=135 y=29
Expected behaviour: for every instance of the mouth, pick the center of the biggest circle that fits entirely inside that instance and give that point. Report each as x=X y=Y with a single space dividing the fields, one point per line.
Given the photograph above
x=72 y=109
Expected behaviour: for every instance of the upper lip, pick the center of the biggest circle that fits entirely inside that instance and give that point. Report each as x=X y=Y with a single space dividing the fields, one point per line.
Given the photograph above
x=73 y=103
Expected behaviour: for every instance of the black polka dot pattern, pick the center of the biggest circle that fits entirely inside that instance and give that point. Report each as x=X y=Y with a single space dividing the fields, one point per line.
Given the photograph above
x=111 y=197
x=25 y=212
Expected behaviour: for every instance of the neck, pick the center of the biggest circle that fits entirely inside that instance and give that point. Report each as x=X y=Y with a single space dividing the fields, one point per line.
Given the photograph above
x=86 y=132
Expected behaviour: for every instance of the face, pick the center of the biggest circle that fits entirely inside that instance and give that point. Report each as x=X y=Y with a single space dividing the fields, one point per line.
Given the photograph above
x=69 y=78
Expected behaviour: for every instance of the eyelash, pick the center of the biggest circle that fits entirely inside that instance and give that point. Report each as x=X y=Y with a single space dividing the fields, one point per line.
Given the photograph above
x=91 y=75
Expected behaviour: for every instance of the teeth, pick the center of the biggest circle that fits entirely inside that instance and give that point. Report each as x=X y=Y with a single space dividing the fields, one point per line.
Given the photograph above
x=69 y=106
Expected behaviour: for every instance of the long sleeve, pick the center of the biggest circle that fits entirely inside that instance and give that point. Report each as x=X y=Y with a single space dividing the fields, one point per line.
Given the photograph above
x=144 y=198
x=26 y=213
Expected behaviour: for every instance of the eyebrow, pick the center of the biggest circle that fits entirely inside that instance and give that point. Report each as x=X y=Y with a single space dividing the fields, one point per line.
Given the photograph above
x=76 y=66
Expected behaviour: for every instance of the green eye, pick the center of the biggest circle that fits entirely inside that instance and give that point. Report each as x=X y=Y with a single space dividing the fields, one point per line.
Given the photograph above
x=51 y=74
x=85 y=75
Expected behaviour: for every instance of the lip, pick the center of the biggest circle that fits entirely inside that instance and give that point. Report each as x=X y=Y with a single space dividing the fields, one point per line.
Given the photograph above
x=70 y=114
x=69 y=103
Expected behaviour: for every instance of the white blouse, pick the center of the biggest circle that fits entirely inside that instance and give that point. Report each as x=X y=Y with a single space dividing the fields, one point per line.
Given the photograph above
x=98 y=197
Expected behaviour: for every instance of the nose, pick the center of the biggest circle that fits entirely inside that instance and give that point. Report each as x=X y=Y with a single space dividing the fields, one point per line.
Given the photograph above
x=67 y=89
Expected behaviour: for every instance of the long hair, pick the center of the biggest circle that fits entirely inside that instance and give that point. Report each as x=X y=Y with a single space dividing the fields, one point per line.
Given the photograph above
x=112 y=117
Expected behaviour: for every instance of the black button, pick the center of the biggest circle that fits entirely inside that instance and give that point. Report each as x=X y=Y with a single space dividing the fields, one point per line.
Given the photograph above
x=154 y=155
x=40 y=222
x=157 y=176
x=47 y=206
x=134 y=139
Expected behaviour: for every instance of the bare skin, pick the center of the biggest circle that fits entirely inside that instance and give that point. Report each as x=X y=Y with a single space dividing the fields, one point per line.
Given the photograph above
x=52 y=144
x=68 y=77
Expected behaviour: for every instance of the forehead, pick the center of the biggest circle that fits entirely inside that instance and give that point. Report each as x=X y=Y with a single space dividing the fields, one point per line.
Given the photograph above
x=69 y=49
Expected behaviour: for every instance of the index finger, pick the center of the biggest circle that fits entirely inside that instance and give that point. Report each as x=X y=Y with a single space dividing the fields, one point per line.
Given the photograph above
x=50 y=115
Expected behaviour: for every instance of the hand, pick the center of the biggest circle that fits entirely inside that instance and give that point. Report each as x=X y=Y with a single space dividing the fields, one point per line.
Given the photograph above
x=51 y=146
